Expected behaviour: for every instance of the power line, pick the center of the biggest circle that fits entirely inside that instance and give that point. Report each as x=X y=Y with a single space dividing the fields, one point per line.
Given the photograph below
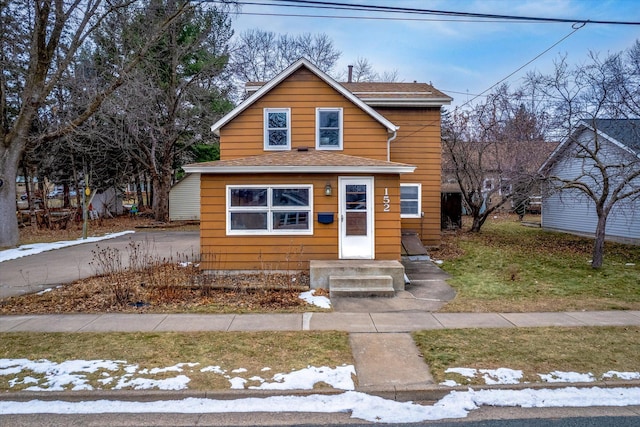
x=316 y=4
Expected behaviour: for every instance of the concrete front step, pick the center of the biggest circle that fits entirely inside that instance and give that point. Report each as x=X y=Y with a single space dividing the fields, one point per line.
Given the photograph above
x=361 y=286
x=321 y=270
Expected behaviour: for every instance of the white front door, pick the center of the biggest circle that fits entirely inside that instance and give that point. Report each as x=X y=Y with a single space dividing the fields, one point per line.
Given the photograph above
x=356 y=218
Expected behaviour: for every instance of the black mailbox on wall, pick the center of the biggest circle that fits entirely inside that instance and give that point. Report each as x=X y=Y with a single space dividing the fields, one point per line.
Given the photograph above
x=325 y=217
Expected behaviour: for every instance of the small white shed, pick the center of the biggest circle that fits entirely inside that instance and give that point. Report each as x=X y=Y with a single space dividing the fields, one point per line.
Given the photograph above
x=184 y=199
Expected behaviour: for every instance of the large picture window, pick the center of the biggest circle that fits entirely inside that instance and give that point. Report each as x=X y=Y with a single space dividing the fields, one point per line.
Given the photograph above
x=277 y=129
x=410 y=200
x=278 y=209
x=329 y=129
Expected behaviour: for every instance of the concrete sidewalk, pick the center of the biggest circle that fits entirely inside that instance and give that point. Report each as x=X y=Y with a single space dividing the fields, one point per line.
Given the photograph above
x=400 y=322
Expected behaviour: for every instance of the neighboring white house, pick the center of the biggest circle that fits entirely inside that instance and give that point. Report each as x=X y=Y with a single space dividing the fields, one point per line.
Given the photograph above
x=184 y=199
x=570 y=210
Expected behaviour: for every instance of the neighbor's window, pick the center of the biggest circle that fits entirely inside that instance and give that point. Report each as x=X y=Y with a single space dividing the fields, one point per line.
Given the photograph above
x=329 y=128
x=282 y=209
x=277 y=128
x=410 y=200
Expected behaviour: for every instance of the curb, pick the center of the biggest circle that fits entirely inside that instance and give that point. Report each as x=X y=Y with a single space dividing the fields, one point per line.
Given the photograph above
x=425 y=394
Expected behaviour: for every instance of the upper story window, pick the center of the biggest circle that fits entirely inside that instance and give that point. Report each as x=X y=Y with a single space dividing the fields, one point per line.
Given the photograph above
x=277 y=129
x=410 y=200
x=329 y=128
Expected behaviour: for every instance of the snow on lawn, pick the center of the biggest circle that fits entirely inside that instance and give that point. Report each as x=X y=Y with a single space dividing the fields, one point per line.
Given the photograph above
x=360 y=405
x=44 y=375
x=37 y=248
x=512 y=376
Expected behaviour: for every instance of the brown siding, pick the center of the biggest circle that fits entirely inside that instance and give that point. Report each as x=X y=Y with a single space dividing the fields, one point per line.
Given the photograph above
x=220 y=251
x=303 y=92
x=418 y=143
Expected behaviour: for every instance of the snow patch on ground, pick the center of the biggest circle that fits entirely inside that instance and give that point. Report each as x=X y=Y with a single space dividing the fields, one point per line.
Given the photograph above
x=362 y=406
x=44 y=375
x=37 y=248
x=320 y=301
x=513 y=376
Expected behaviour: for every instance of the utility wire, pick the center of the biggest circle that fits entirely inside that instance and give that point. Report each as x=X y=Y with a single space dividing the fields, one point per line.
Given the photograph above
x=316 y=4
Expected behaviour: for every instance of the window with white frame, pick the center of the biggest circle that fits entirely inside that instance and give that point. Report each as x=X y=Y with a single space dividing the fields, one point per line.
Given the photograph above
x=276 y=209
x=410 y=200
x=329 y=128
x=277 y=128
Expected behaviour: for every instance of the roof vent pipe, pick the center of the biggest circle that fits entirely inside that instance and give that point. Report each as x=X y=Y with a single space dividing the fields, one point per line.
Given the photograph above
x=350 y=74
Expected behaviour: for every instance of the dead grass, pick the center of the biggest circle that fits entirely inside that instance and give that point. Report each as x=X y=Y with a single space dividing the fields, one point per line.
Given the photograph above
x=280 y=351
x=532 y=350
x=511 y=268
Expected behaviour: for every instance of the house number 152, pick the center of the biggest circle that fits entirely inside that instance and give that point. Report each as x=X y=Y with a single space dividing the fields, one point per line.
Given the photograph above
x=386 y=202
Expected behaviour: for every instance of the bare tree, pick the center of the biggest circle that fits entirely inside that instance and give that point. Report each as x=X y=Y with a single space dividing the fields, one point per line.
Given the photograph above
x=168 y=103
x=492 y=152
x=259 y=55
x=585 y=97
x=38 y=42
x=364 y=71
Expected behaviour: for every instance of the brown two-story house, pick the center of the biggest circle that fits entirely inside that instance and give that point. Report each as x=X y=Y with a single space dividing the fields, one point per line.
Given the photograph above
x=312 y=169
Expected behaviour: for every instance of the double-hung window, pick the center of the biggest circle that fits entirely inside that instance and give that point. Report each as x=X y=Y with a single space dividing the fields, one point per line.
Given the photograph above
x=329 y=128
x=277 y=129
x=276 y=209
x=410 y=200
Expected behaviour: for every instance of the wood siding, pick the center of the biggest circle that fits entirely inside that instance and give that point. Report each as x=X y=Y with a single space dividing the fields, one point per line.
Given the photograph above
x=289 y=252
x=303 y=92
x=418 y=143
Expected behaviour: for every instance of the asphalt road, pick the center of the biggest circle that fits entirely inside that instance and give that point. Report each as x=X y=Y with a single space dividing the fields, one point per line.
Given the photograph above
x=544 y=418
x=37 y=272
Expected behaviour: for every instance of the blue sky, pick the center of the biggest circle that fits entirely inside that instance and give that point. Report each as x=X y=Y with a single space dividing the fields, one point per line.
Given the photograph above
x=461 y=57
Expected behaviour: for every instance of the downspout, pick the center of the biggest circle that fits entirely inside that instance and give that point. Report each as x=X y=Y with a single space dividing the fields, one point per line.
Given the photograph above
x=395 y=134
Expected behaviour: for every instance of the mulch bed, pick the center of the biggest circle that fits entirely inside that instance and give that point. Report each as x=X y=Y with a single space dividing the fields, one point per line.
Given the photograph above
x=168 y=288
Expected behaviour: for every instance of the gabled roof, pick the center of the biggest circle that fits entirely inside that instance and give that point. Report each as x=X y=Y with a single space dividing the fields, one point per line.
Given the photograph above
x=300 y=161
x=381 y=94
x=286 y=73
x=625 y=133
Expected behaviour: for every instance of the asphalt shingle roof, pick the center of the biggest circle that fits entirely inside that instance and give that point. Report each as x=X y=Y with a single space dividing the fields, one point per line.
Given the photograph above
x=296 y=158
x=625 y=131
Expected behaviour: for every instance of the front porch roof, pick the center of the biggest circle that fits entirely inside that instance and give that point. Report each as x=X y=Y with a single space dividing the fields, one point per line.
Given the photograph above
x=300 y=161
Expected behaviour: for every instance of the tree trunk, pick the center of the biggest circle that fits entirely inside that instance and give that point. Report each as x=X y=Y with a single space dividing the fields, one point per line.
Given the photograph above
x=161 y=187
x=598 y=244
x=9 y=235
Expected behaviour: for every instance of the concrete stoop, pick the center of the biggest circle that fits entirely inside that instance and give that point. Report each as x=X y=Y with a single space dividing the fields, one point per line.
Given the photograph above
x=361 y=286
x=360 y=278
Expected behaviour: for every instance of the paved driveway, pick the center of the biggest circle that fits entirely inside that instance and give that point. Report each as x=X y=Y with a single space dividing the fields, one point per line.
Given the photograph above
x=36 y=272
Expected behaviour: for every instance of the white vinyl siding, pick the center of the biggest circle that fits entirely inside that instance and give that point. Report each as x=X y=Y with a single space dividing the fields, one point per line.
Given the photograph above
x=572 y=211
x=184 y=199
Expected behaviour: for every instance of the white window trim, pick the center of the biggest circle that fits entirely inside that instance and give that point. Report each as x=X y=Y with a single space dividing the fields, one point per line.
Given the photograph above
x=269 y=209
x=265 y=120
x=419 y=213
x=340 y=131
